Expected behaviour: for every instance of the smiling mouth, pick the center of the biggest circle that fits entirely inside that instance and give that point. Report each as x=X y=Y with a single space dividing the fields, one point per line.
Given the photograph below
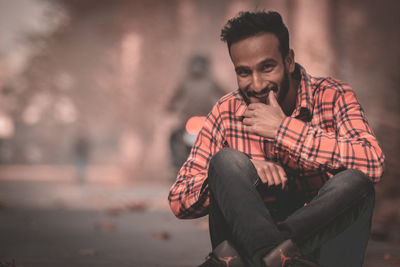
x=260 y=96
x=264 y=93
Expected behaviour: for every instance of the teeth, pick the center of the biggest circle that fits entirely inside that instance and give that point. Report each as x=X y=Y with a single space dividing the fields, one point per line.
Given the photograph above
x=271 y=88
x=274 y=88
x=261 y=95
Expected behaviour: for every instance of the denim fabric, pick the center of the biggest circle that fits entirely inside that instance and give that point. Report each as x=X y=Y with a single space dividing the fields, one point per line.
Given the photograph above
x=231 y=180
x=237 y=212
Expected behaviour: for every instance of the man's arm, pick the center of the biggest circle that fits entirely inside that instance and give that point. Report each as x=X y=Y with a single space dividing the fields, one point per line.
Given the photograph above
x=189 y=196
x=352 y=146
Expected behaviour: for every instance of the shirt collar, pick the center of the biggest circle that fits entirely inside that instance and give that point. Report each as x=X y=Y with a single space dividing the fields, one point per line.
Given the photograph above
x=304 y=101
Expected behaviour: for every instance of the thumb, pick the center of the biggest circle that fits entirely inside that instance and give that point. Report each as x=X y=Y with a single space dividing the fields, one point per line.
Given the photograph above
x=272 y=98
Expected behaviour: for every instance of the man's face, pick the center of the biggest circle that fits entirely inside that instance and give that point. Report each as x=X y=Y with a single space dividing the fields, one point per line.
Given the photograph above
x=260 y=68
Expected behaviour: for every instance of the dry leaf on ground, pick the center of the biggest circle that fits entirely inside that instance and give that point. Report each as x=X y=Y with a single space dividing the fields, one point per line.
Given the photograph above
x=7 y=263
x=203 y=225
x=2 y=206
x=114 y=211
x=87 y=252
x=162 y=236
x=106 y=226
x=137 y=206
x=392 y=259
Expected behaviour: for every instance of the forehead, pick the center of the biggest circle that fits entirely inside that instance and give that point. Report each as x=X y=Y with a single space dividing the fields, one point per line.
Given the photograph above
x=255 y=49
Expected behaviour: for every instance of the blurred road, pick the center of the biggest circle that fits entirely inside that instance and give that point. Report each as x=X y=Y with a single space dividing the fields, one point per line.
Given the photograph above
x=45 y=223
x=93 y=238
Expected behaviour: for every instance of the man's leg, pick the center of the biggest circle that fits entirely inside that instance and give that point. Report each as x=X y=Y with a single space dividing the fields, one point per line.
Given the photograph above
x=237 y=206
x=348 y=248
x=219 y=228
x=346 y=198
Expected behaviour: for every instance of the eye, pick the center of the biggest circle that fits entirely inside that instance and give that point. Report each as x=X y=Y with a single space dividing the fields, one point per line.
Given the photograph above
x=243 y=72
x=267 y=67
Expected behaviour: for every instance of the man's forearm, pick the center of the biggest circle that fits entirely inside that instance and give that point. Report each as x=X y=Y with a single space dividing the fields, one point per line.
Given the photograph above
x=314 y=148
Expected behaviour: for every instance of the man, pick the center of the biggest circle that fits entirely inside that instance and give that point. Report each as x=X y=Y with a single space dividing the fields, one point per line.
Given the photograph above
x=283 y=165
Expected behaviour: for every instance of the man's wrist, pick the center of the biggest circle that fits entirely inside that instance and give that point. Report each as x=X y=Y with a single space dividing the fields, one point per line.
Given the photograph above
x=278 y=126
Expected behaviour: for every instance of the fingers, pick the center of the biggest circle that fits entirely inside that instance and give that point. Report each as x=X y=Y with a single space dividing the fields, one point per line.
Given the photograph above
x=276 y=175
x=272 y=98
x=282 y=176
x=263 y=171
x=269 y=176
x=271 y=173
x=248 y=121
x=249 y=113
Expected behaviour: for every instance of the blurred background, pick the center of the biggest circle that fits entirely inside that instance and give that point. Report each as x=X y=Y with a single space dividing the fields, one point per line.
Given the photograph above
x=88 y=94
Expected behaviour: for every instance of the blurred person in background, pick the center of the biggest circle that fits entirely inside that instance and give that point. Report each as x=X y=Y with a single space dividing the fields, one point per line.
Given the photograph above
x=195 y=96
x=285 y=164
x=82 y=153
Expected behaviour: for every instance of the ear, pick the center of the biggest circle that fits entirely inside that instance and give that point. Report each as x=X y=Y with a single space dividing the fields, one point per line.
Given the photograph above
x=290 y=62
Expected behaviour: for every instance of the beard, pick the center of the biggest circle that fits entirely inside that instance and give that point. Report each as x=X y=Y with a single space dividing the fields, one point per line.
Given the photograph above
x=284 y=86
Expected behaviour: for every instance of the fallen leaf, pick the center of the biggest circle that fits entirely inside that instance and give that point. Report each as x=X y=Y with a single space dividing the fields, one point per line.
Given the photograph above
x=203 y=225
x=7 y=263
x=162 y=236
x=2 y=205
x=33 y=226
x=114 y=211
x=60 y=204
x=136 y=206
x=390 y=258
x=87 y=252
x=106 y=226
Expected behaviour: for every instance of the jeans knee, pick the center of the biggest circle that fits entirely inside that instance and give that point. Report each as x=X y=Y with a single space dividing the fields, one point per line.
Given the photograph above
x=228 y=161
x=353 y=182
x=228 y=157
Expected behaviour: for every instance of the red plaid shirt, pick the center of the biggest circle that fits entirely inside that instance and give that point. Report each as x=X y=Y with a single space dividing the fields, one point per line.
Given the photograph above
x=326 y=133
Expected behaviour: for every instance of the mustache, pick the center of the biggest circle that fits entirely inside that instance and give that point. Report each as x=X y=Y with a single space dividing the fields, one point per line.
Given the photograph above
x=264 y=92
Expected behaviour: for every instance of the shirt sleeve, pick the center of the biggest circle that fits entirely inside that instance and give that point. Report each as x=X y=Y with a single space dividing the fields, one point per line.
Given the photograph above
x=352 y=144
x=189 y=195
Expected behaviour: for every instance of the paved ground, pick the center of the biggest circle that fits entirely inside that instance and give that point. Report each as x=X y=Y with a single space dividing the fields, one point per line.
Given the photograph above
x=94 y=238
x=45 y=223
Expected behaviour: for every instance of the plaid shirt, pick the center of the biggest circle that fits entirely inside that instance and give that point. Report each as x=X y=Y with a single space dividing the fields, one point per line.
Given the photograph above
x=326 y=133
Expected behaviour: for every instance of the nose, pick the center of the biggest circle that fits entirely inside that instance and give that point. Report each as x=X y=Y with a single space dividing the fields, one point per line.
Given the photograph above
x=257 y=84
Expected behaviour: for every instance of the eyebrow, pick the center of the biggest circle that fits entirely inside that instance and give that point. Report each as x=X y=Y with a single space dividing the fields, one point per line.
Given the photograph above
x=268 y=60
x=241 y=68
x=264 y=61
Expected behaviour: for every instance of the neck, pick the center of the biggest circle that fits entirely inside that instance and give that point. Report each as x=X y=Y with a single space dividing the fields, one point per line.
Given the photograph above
x=289 y=103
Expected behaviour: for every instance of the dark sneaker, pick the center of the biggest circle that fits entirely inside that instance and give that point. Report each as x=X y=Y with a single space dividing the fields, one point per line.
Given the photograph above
x=224 y=255
x=287 y=254
x=213 y=261
x=300 y=262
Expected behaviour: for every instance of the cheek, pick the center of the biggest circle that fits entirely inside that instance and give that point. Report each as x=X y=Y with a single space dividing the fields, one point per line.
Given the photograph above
x=272 y=78
x=277 y=78
x=242 y=82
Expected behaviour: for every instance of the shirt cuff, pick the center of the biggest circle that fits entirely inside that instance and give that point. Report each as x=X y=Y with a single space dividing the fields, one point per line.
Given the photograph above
x=291 y=136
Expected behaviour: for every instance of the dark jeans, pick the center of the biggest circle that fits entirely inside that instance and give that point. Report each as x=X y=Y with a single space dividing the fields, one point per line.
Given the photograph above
x=324 y=227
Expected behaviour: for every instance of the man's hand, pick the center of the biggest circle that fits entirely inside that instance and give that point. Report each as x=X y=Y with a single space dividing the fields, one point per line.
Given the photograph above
x=264 y=120
x=270 y=173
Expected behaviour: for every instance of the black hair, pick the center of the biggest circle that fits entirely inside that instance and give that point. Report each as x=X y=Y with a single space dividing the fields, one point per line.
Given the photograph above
x=248 y=24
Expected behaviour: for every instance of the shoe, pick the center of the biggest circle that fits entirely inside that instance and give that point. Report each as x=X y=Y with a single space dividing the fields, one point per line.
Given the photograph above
x=300 y=262
x=287 y=254
x=224 y=255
